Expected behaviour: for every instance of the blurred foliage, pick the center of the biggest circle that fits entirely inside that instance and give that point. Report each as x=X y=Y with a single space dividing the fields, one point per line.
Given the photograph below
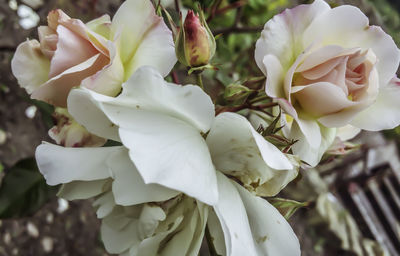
x=23 y=190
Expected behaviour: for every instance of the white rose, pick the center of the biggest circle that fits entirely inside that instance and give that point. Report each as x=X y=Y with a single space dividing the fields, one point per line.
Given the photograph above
x=328 y=68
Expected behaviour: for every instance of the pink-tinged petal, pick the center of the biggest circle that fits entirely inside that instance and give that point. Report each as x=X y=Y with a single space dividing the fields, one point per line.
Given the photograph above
x=30 y=66
x=324 y=54
x=348 y=27
x=274 y=72
x=55 y=17
x=48 y=39
x=55 y=91
x=108 y=81
x=365 y=99
x=384 y=113
x=282 y=35
x=71 y=51
x=156 y=49
x=322 y=98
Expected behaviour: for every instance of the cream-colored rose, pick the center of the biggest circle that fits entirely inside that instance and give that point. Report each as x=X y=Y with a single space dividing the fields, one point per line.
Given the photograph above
x=99 y=55
x=328 y=68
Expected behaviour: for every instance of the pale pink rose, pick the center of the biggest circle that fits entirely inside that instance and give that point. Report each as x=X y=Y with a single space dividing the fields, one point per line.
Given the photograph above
x=99 y=55
x=68 y=133
x=328 y=68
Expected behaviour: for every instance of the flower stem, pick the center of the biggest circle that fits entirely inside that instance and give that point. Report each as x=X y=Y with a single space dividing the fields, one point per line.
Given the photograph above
x=200 y=81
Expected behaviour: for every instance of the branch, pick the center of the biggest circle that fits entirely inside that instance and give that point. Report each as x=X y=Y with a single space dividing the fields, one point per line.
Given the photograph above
x=227 y=31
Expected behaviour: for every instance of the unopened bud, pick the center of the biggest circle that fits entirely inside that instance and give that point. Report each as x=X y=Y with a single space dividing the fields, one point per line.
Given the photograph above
x=195 y=43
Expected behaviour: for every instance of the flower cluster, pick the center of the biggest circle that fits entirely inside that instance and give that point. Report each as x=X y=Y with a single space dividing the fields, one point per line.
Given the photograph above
x=175 y=171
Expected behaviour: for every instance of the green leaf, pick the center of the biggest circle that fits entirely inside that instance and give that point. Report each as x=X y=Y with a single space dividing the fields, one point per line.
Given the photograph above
x=287 y=207
x=23 y=190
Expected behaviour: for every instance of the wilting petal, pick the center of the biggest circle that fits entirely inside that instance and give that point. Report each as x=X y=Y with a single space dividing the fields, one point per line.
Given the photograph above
x=384 y=113
x=30 y=66
x=238 y=150
x=282 y=35
x=252 y=226
x=63 y=165
x=128 y=186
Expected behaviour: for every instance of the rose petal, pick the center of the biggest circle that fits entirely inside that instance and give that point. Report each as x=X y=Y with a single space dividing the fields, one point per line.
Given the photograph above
x=30 y=66
x=62 y=165
x=71 y=51
x=384 y=113
x=252 y=226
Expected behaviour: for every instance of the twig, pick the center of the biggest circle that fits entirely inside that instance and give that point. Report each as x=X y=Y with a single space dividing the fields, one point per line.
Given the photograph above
x=227 y=31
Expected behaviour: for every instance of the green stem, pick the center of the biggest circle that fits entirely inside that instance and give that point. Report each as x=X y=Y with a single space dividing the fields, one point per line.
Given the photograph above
x=200 y=81
x=210 y=243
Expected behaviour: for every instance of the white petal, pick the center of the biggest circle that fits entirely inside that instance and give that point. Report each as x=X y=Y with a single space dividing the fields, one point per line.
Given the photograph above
x=62 y=165
x=145 y=39
x=157 y=49
x=169 y=152
x=347 y=132
x=147 y=90
x=310 y=129
x=271 y=232
x=275 y=76
x=384 y=113
x=30 y=66
x=251 y=225
x=88 y=112
x=82 y=189
x=307 y=152
x=232 y=215
x=128 y=186
x=282 y=35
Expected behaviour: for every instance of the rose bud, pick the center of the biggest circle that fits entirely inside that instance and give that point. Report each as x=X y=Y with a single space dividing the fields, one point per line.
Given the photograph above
x=195 y=43
x=237 y=93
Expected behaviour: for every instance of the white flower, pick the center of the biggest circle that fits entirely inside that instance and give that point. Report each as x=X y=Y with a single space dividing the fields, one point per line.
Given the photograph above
x=328 y=68
x=161 y=126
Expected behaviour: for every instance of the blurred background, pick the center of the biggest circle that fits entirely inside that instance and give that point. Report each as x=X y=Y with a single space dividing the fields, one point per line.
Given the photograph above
x=350 y=205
